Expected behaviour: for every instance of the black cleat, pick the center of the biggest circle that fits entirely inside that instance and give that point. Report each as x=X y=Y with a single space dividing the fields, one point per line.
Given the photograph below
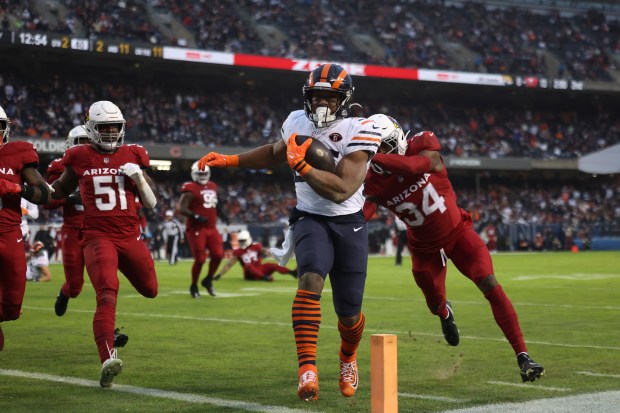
x=449 y=328
x=530 y=370
x=120 y=339
x=193 y=290
x=208 y=284
x=294 y=273
x=60 y=307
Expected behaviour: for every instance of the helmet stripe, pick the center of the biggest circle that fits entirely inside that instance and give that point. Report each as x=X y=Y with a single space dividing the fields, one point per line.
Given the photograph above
x=325 y=72
x=341 y=77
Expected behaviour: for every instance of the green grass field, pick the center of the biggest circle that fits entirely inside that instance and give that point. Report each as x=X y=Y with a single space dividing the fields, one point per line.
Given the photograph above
x=236 y=353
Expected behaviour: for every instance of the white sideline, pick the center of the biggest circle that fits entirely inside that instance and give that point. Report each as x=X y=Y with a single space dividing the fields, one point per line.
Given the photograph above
x=604 y=402
x=163 y=394
x=590 y=373
x=288 y=325
x=435 y=398
x=528 y=386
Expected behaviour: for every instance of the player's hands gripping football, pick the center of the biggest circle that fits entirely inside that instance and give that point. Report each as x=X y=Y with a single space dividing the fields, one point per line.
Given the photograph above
x=8 y=187
x=132 y=170
x=218 y=160
x=295 y=155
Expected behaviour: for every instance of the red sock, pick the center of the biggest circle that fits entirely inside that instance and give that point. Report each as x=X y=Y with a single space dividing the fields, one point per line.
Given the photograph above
x=506 y=318
x=213 y=264
x=196 y=267
x=306 y=315
x=103 y=323
x=350 y=338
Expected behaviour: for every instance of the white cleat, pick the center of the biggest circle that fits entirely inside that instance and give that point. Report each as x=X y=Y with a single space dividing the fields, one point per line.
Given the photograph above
x=110 y=368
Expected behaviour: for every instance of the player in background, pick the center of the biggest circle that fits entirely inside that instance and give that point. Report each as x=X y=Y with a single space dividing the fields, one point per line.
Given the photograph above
x=330 y=235
x=410 y=179
x=19 y=179
x=30 y=211
x=250 y=256
x=172 y=233
x=199 y=204
x=110 y=176
x=38 y=264
x=72 y=213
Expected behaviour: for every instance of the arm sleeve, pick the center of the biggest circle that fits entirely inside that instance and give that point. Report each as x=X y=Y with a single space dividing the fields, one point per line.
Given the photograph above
x=369 y=210
x=404 y=165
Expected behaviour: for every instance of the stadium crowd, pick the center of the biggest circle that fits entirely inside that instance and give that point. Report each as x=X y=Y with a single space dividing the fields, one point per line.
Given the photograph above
x=562 y=212
x=511 y=40
x=44 y=107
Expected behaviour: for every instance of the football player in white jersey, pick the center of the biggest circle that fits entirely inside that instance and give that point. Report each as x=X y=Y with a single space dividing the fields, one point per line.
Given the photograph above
x=330 y=235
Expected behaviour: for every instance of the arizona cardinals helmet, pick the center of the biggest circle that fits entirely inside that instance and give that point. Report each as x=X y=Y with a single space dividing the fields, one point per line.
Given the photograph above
x=5 y=127
x=244 y=238
x=328 y=78
x=37 y=247
x=76 y=136
x=102 y=113
x=392 y=136
x=200 y=176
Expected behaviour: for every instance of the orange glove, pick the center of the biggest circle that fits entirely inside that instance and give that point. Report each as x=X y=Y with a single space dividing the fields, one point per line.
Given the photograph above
x=8 y=187
x=295 y=154
x=218 y=160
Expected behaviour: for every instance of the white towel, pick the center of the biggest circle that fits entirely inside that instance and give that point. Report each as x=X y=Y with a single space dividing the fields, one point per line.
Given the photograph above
x=288 y=247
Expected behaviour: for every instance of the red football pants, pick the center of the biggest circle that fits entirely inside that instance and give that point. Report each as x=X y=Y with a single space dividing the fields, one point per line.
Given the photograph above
x=73 y=262
x=12 y=275
x=103 y=258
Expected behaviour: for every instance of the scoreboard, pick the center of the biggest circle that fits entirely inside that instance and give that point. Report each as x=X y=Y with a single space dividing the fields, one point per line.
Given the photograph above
x=111 y=46
x=66 y=42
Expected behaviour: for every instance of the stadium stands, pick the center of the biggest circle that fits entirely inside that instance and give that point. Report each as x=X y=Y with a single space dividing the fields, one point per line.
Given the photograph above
x=497 y=38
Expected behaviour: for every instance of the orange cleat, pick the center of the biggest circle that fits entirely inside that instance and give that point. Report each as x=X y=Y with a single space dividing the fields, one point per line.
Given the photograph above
x=308 y=388
x=348 y=378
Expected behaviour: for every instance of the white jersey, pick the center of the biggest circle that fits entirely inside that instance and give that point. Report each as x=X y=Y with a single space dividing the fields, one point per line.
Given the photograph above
x=33 y=273
x=342 y=137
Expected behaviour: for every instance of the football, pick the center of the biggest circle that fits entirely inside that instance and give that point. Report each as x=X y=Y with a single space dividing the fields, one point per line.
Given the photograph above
x=318 y=155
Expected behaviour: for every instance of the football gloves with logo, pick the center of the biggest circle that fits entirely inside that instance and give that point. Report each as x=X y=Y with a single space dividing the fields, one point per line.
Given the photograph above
x=8 y=187
x=295 y=155
x=218 y=160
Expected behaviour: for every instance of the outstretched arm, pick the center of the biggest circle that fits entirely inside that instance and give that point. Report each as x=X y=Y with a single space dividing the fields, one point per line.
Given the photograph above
x=37 y=191
x=226 y=267
x=258 y=158
x=425 y=161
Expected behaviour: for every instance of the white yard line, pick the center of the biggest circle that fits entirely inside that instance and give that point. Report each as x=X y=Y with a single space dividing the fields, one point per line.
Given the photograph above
x=435 y=398
x=288 y=325
x=162 y=394
x=605 y=402
x=528 y=386
x=590 y=373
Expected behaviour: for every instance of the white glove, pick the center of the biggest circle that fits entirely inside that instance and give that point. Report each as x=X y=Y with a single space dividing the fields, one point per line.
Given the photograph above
x=282 y=255
x=132 y=170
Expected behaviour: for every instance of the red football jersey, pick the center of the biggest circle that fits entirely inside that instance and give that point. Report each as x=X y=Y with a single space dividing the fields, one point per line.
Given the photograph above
x=109 y=197
x=204 y=203
x=72 y=214
x=13 y=157
x=249 y=256
x=425 y=202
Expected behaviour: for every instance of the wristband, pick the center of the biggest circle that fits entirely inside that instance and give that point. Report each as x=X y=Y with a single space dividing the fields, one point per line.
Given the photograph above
x=232 y=160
